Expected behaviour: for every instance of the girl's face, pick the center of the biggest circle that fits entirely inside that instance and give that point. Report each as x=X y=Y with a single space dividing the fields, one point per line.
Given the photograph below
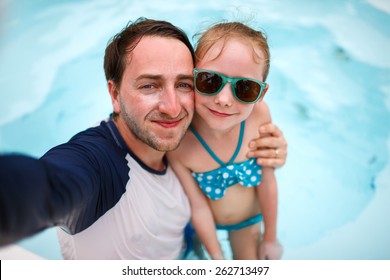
x=234 y=58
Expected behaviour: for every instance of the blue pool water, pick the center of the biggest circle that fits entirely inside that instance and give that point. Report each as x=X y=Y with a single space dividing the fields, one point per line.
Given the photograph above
x=329 y=92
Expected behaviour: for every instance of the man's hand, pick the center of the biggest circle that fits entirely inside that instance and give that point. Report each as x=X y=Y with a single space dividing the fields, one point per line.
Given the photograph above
x=270 y=148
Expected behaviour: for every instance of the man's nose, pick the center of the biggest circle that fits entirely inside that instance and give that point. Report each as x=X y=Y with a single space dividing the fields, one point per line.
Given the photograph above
x=170 y=102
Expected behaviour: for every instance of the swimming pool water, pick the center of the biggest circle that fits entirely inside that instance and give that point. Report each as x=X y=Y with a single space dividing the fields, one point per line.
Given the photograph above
x=329 y=92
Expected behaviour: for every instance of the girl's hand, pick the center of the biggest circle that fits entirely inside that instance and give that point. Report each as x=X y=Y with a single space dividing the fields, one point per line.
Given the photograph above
x=218 y=256
x=270 y=250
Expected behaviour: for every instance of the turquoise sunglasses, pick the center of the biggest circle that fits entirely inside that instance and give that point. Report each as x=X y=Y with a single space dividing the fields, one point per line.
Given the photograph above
x=245 y=90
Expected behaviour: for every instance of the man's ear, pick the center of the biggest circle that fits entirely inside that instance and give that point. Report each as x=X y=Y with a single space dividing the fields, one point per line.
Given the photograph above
x=114 y=93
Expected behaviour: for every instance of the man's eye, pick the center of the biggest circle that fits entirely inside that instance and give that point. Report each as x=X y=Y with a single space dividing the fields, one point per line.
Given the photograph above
x=185 y=86
x=148 y=86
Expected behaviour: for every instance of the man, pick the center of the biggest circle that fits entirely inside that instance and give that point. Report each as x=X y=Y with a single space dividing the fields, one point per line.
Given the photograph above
x=110 y=189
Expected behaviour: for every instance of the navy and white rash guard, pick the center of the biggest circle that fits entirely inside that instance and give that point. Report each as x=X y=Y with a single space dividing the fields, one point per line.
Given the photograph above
x=106 y=201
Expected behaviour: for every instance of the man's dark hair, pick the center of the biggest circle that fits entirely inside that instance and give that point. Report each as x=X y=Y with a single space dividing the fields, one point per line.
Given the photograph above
x=125 y=41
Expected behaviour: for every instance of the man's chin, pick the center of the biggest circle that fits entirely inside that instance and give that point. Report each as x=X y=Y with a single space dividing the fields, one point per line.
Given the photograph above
x=167 y=146
x=168 y=142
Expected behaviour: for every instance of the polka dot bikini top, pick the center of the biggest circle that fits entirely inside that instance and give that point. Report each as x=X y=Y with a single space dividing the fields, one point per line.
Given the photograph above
x=215 y=182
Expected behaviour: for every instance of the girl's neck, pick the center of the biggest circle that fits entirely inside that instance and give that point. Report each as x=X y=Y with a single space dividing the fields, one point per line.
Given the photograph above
x=209 y=132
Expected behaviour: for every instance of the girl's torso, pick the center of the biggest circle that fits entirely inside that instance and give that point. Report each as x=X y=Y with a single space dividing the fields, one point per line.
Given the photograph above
x=238 y=202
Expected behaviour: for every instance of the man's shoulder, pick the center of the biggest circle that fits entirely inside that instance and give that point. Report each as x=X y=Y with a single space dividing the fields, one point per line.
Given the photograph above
x=99 y=131
x=95 y=144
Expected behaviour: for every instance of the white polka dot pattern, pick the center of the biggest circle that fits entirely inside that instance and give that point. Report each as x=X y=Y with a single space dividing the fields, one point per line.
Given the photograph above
x=214 y=183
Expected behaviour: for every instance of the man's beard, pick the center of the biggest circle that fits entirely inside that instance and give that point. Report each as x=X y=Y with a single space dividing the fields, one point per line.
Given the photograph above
x=149 y=137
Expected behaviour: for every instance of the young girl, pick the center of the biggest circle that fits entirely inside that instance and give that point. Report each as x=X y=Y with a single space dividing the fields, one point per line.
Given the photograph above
x=226 y=190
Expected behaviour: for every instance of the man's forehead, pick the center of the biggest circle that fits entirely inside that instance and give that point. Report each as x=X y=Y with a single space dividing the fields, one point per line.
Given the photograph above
x=157 y=45
x=156 y=55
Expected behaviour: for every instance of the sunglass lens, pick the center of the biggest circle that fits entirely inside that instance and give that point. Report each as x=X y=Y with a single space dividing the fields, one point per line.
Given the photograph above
x=208 y=83
x=247 y=90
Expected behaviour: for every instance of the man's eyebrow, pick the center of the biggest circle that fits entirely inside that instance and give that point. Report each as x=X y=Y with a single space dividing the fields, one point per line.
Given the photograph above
x=185 y=77
x=159 y=77
x=149 y=76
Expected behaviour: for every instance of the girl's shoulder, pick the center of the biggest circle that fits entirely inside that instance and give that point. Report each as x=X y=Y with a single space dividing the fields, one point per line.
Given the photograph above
x=260 y=114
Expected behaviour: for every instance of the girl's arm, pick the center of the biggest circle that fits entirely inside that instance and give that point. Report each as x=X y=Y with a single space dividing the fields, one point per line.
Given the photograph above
x=268 y=198
x=270 y=147
x=267 y=193
x=201 y=216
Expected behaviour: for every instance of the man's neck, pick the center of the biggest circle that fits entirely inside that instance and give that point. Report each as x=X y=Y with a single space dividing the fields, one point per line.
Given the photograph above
x=148 y=155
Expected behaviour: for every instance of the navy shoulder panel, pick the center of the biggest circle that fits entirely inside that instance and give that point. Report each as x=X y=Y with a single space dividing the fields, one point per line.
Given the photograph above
x=93 y=168
x=71 y=186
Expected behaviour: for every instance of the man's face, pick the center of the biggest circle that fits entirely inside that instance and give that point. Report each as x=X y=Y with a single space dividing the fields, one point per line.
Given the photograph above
x=156 y=96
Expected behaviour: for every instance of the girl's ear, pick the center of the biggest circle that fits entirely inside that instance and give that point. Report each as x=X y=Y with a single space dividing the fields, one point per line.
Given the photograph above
x=113 y=90
x=264 y=92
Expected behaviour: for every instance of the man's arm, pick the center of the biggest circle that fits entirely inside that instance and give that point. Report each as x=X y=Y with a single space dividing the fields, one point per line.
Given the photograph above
x=36 y=194
x=24 y=205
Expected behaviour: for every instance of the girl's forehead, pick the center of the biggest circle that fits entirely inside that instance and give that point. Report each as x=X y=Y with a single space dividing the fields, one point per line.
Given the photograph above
x=233 y=46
